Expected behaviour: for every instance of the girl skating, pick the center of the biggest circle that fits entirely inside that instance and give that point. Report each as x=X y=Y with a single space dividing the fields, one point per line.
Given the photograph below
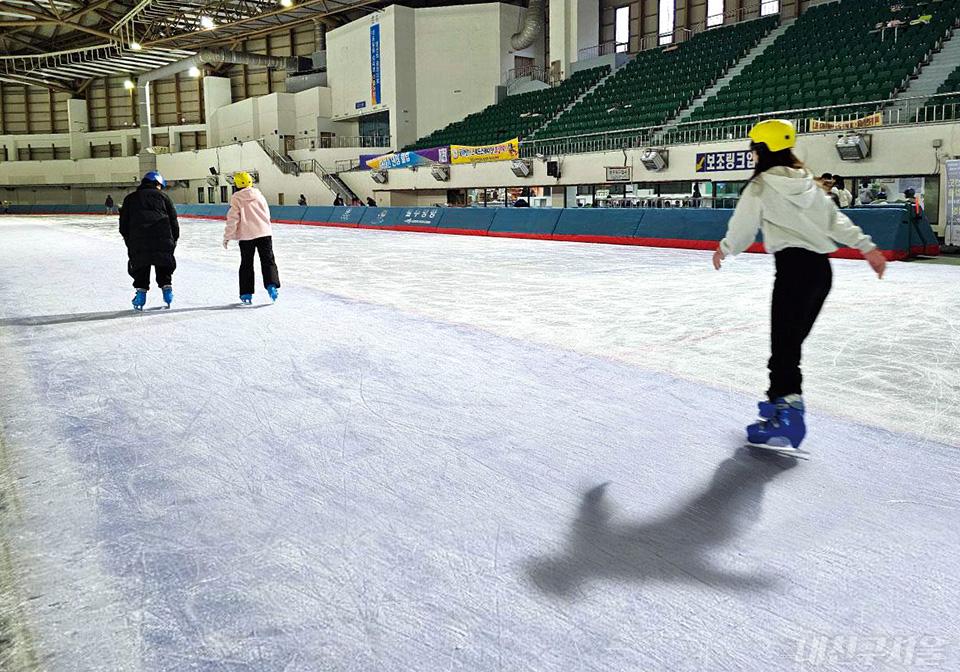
x=800 y=224
x=248 y=221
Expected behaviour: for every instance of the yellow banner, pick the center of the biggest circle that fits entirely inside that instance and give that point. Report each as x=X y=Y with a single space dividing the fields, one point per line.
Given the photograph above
x=504 y=151
x=862 y=122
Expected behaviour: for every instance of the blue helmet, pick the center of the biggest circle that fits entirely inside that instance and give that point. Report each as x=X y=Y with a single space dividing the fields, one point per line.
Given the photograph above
x=154 y=176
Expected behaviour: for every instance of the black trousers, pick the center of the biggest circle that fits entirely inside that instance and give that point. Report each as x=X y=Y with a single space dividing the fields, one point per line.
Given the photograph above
x=141 y=274
x=268 y=265
x=802 y=284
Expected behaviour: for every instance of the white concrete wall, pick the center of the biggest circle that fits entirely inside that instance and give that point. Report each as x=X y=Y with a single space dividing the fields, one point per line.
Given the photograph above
x=574 y=25
x=438 y=64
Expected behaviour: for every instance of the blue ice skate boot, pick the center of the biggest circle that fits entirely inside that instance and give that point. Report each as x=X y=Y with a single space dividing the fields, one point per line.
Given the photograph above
x=784 y=427
x=139 y=299
x=272 y=291
x=168 y=295
x=246 y=299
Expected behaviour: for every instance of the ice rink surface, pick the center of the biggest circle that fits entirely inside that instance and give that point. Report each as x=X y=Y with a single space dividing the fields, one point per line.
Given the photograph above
x=449 y=453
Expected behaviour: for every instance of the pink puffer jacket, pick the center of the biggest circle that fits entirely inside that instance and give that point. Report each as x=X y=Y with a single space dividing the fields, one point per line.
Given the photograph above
x=248 y=217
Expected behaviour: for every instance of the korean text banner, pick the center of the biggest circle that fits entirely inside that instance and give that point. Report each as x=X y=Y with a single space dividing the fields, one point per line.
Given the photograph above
x=504 y=151
x=375 y=64
x=421 y=157
x=715 y=162
x=863 y=122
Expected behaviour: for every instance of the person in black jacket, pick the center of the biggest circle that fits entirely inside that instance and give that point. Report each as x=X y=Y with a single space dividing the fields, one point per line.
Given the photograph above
x=148 y=224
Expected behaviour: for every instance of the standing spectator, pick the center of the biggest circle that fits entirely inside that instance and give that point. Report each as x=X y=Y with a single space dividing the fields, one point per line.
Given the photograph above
x=5 y=206
x=370 y=202
x=825 y=182
x=356 y=202
x=521 y=203
x=866 y=194
x=697 y=196
x=846 y=198
x=338 y=200
x=302 y=200
x=109 y=204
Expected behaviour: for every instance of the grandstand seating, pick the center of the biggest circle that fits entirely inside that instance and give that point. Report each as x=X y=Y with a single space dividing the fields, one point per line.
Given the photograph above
x=835 y=54
x=658 y=83
x=516 y=116
x=950 y=105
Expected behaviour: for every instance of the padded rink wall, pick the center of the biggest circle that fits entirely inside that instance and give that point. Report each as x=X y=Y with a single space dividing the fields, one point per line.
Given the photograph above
x=895 y=228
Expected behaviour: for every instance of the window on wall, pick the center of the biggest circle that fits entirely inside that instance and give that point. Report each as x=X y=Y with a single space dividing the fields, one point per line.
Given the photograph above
x=668 y=10
x=714 y=13
x=622 y=34
x=769 y=7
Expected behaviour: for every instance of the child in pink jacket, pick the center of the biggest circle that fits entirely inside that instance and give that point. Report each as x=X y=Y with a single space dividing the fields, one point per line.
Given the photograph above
x=248 y=221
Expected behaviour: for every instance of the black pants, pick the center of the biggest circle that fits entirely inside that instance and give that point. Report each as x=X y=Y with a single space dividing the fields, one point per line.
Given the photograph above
x=141 y=274
x=268 y=265
x=802 y=285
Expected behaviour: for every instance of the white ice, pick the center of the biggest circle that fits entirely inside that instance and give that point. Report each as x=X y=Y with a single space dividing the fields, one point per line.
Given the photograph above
x=450 y=453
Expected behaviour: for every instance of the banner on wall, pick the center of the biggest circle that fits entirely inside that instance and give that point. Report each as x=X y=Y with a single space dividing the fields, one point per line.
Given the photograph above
x=863 y=122
x=716 y=162
x=375 y=64
x=421 y=157
x=952 y=198
x=504 y=151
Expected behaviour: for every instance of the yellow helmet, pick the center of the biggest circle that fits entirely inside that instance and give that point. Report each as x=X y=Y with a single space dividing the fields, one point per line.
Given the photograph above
x=776 y=134
x=242 y=180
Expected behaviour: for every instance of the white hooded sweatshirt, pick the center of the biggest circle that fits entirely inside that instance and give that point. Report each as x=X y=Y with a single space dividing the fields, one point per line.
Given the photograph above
x=792 y=211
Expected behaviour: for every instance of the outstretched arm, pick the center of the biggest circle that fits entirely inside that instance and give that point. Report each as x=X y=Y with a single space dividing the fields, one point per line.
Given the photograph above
x=843 y=230
x=743 y=226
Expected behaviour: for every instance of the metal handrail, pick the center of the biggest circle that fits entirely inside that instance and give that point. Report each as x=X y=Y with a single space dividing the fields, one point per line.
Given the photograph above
x=343 y=141
x=737 y=127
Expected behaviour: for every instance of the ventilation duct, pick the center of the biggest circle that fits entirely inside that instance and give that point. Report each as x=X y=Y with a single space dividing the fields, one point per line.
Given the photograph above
x=532 y=26
x=148 y=161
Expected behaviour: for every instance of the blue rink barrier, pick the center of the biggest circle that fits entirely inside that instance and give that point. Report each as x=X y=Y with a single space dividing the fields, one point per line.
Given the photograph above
x=897 y=229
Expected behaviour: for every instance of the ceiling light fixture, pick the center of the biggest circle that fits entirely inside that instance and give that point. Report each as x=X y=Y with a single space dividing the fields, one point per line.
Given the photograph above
x=129 y=85
x=286 y=3
x=207 y=23
x=194 y=72
x=135 y=46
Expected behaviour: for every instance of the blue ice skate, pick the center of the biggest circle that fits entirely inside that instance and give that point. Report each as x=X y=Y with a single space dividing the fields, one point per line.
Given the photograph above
x=139 y=299
x=168 y=295
x=784 y=427
x=246 y=299
x=272 y=291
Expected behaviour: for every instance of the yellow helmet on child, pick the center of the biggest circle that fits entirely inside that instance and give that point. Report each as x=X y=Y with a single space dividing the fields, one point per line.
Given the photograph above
x=242 y=180
x=776 y=134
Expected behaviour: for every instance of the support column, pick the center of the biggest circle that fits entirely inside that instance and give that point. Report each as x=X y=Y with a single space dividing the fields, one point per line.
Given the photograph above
x=78 y=125
x=216 y=94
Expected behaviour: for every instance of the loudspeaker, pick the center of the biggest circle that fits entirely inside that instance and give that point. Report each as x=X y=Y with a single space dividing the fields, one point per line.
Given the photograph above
x=553 y=169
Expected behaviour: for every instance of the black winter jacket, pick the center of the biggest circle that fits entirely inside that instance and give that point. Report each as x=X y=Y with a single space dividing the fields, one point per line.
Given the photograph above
x=148 y=224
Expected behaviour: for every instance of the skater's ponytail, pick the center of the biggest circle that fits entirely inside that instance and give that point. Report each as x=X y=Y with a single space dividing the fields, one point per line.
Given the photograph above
x=767 y=160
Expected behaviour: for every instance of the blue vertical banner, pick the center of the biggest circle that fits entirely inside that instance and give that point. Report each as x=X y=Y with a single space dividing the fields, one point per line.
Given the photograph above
x=375 y=63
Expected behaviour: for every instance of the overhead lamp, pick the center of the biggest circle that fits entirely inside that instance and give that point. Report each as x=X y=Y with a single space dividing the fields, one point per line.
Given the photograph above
x=129 y=85
x=286 y=3
x=194 y=72
x=206 y=23
x=135 y=46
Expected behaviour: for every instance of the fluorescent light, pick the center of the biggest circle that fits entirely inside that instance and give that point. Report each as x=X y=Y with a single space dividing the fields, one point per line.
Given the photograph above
x=129 y=85
x=135 y=46
x=206 y=22
x=286 y=3
x=194 y=72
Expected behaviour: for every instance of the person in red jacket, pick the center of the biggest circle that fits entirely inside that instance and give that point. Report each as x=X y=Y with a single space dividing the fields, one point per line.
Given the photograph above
x=248 y=221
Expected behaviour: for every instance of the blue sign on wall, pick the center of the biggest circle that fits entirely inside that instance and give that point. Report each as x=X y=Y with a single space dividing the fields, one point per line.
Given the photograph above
x=375 y=63
x=717 y=162
x=360 y=104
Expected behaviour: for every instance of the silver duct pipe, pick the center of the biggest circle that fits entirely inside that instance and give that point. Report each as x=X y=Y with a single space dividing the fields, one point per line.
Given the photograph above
x=532 y=26
x=211 y=56
x=320 y=36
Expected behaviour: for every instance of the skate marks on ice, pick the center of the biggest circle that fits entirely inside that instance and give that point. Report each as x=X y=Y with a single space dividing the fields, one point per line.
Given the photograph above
x=671 y=548
x=72 y=318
